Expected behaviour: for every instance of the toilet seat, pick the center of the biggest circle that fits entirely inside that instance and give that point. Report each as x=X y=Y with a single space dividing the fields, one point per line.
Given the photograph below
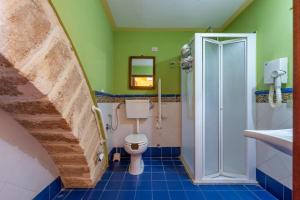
x=134 y=138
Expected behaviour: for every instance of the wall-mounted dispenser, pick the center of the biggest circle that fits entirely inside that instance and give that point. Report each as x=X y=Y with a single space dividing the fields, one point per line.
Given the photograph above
x=275 y=74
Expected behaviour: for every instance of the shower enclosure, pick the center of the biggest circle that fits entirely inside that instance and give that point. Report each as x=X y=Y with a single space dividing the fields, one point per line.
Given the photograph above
x=218 y=103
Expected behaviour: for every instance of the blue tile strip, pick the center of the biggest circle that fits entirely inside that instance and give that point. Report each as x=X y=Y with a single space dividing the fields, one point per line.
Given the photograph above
x=49 y=192
x=283 y=90
x=118 y=98
x=274 y=187
x=263 y=95
x=151 y=152
x=163 y=179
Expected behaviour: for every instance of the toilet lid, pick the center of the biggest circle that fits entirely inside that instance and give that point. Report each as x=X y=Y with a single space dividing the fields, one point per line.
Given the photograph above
x=136 y=139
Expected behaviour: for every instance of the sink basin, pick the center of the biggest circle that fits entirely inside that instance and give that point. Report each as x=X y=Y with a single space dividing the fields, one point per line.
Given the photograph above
x=280 y=139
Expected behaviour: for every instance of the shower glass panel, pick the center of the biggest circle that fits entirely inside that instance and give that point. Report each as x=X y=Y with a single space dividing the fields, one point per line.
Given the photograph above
x=211 y=82
x=224 y=108
x=234 y=109
x=187 y=117
x=218 y=104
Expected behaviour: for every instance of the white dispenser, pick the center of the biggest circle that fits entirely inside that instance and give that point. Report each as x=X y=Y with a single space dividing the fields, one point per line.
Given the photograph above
x=275 y=73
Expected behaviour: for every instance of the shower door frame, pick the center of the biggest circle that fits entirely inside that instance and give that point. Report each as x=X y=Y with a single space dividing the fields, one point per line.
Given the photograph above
x=199 y=105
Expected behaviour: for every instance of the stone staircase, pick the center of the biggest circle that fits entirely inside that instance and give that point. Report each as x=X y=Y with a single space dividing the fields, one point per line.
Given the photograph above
x=44 y=88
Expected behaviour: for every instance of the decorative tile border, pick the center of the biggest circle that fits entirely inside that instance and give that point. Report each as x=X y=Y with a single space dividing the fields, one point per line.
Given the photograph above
x=110 y=98
x=155 y=152
x=273 y=186
x=50 y=191
x=263 y=95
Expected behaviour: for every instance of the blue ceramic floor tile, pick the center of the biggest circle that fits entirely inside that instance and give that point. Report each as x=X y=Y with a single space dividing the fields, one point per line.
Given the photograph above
x=253 y=187
x=144 y=177
x=111 y=195
x=229 y=195
x=195 y=195
x=129 y=185
x=160 y=195
x=212 y=195
x=247 y=195
x=62 y=194
x=106 y=176
x=143 y=195
x=206 y=187
x=158 y=176
x=55 y=187
x=183 y=176
x=170 y=169
x=156 y=162
x=147 y=169
x=126 y=195
x=174 y=185
x=168 y=163
x=129 y=177
x=101 y=185
x=178 y=195
x=188 y=185
x=157 y=169
x=172 y=176
x=164 y=180
x=263 y=195
x=117 y=176
x=76 y=195
x=93 y=195
x=159 y=185
x=113 y=185
x=144 y=185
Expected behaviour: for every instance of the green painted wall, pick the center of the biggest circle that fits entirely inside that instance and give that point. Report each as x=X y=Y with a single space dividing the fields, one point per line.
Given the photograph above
x=92 y=37
x=272 y=19
x=127 y=43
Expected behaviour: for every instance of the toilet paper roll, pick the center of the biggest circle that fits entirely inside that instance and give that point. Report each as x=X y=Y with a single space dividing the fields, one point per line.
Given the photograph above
x=100 y=156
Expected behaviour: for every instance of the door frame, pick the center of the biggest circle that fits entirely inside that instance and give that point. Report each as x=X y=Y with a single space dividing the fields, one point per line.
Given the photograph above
x=296 y=101
x=199 y=118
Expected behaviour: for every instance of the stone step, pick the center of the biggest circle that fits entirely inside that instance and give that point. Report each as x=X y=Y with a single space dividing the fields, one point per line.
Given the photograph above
x=54 y=136
x=69 y=159
x=33 y=107
x=77 y=182
x=42 y=121
x=74 y=170
x=63 y=148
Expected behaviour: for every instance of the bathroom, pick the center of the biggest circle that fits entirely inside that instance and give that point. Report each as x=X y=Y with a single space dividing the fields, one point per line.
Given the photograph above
x=143 y=99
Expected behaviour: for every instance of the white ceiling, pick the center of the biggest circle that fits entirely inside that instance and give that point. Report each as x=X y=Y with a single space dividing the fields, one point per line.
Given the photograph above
x=173 y=13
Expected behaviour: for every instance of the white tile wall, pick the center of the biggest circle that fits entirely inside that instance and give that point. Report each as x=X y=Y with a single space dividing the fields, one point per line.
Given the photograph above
x=25 y=167
x=276 y=164
x=168 y=136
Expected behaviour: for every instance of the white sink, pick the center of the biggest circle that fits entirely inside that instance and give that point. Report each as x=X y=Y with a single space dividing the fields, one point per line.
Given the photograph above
x=279 y=139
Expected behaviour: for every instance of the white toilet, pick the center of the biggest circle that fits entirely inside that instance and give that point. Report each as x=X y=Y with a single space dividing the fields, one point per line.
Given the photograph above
x=136 y=143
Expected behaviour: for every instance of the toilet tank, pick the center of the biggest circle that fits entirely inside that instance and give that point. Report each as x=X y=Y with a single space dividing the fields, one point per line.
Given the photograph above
x=137 y=108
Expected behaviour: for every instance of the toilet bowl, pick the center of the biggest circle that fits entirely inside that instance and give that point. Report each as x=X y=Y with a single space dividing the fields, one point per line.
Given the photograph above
x=136 y=145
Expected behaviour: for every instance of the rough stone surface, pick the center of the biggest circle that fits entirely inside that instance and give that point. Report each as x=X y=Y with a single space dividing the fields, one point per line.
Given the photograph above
x=44 y=89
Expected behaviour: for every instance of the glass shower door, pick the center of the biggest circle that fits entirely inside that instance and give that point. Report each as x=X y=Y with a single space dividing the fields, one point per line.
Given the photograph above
x=211 y=83
x=234 y=108
x=224 y=80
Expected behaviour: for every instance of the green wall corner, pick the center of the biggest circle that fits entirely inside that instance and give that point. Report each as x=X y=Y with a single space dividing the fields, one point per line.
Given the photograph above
x=273 y=22
x=104 y=53
x=92 y=36
x=136 y=43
